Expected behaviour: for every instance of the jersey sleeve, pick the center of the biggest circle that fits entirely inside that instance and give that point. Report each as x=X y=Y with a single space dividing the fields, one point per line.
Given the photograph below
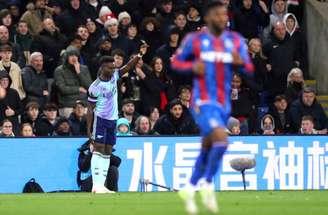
x=248 y=67
x=183 y=58
x=93 y=94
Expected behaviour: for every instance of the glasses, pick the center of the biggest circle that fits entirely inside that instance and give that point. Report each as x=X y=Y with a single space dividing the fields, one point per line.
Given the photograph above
x=7 y=126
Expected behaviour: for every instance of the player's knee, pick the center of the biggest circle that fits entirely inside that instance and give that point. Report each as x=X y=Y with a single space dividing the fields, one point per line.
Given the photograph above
x=219 y=135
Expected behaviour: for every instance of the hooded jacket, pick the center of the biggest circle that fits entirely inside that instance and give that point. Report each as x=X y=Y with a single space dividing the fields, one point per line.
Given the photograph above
x=34 y=18
x=68 y=81
x=123 y=121
x=16 y=77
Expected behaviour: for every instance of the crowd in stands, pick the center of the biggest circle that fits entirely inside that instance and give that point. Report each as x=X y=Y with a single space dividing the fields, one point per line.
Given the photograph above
x=50 y=51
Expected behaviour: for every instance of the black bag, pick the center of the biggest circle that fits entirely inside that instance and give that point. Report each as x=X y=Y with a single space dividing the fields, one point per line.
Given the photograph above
x=32 y=187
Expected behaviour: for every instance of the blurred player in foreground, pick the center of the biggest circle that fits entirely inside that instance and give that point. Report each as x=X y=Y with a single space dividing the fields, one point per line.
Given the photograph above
x=211 y=54
x=102 y=115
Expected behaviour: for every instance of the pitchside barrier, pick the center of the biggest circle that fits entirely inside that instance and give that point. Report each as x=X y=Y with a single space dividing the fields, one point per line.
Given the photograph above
x=282 y=162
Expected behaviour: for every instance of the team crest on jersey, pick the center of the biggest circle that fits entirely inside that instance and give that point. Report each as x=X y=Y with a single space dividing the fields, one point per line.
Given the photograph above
x=228 y=44
x=206 y=43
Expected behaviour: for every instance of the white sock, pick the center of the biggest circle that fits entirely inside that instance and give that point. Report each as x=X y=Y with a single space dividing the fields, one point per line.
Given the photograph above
x=104 y=165
x=95 y=168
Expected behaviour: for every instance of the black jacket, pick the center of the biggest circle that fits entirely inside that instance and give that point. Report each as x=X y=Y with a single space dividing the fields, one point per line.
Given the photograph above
x=34 y=84
x=282 y=55
x=298 y=110
x=79 y=128
x=44 y=128
x=248 y=22
x=50 y=45
x=280 y=127
x=168 y=125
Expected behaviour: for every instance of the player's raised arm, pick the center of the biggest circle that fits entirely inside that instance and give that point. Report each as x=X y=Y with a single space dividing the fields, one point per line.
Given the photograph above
x=127 y=67
x=183 y=59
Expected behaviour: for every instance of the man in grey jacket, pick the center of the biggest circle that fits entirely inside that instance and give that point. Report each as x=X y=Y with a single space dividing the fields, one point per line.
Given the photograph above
x=72 y=81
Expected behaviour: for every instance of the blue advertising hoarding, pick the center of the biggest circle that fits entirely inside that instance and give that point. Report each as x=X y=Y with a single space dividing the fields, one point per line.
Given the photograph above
x=282 y=162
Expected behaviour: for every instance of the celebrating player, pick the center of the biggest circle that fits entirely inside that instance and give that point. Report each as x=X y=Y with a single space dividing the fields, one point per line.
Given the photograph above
x=211 y=54
x=103 y=113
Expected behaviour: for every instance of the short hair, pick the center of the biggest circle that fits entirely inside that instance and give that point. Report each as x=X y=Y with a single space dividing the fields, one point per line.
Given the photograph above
x=6 y=120
x=309 y=90
x=35 y=54
x=118 y=52
x=212 y=4
x=4 y=13
x=278 y=98
x=106 y=59
x=50 y=106
x=6 y=48
x=32 y=105
x=178 y=13
x=184 y=87
x=308 y=117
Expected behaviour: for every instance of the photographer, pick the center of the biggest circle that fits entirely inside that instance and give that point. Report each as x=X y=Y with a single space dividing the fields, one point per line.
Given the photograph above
x=84 y=178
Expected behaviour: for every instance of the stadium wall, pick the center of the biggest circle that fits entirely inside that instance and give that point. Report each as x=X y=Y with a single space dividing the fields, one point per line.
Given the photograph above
x=283 y=162
x=317 y=39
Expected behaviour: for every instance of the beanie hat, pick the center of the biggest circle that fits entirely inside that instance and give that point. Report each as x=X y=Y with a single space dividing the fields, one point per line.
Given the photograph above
x=123 y=15
x=104 y=11
x=111 y=21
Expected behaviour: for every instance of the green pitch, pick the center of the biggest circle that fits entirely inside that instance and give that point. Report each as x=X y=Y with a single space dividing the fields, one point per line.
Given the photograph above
x=165 y=203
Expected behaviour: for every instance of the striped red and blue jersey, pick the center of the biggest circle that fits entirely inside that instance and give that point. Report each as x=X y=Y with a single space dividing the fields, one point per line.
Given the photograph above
x=216 y=52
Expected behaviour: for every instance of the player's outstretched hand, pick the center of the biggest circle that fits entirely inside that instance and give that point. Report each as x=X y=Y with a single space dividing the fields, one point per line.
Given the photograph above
x=236 y=59
x=198 y=68
x=143 y=48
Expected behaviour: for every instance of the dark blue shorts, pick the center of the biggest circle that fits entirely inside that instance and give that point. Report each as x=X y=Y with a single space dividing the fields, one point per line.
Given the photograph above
x=104 y=131
x=209 y=117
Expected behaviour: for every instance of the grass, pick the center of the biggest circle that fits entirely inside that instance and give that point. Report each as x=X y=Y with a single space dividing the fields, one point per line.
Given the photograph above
x=164 y=203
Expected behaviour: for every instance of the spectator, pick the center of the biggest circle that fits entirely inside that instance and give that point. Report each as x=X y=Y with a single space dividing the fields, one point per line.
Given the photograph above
x=12 y=69
x=259 y=61
x=267 y=125
x=184 y=94
x=35 y=80
x=104 y=14
x=88 y=49
x=281 y=115
x=279 y=10
x=180 y=21
x=156 y=87
x=153 y=116
x=31 y=115
x=297 y=36
x=282 y=57
x=307 y=125
x=74 y=16
x=119 y=57
x=308 y=105
x=15 y=12
x=143 y=127
x=175 y=122
x=7 y=129
x=295 y=85
x=62 y=128
x=250 y=18
x=233 y=126
x=104 y=47
x=118 y=6
x=95 y=33
x=50 y=42
x=78 y=119
x=27 y=130
x=165 y=16
x=24 y=39
x=194 y=19
x=124 y=20
x=6 y=20
x=36 y=12
x=128 y=112
x=46 y=126
x=93 y=8
x=150 y=32
x=242 y=101
x=72 y=81
x=10 y=106
x=133 y=37
x=17 y=54
x=123 y=127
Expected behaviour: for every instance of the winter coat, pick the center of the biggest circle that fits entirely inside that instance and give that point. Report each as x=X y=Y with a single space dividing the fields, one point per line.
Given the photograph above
x=281 y=128
x=34 y=84
x=51 y=46
x=34 y=18
x=282 y=55
x=78 y=127
x=168 y=125
x=44 y=128
x=298 y=110
x=68 y=82
x=123 y=121
x=16 y=77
